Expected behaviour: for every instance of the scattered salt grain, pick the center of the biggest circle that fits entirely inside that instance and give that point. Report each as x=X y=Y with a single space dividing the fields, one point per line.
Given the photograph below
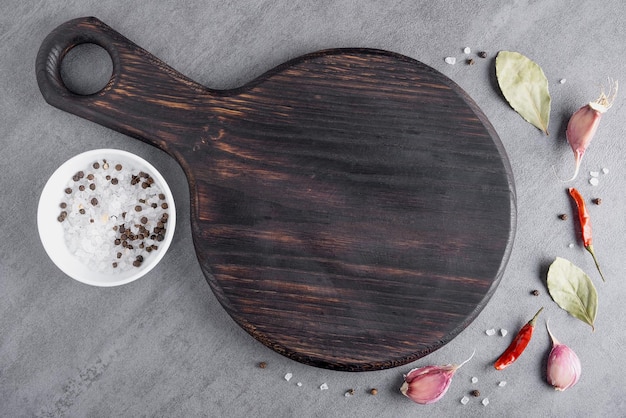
x=571 y=245
x=605 y=170
x=464 y=400
x=594 y=181
x=288 y=376
x=323 y=386
x=467 y=50
x=450 y=60
x=503 y=332
x=562 y=81
x=349 y=393
x=299 y=384
x=594 y=173
x=474 y=380
x=490 y=332
x=485 y=401
x=502 y=384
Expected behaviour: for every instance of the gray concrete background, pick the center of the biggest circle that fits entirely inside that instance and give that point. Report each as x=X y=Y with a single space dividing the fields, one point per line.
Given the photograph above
x=162 y=346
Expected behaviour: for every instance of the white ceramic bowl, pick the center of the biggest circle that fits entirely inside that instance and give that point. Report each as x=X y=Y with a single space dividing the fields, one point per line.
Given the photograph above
x=52 y=233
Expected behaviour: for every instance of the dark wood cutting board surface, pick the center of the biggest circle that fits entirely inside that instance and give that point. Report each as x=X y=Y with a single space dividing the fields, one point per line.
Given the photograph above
x=351 y=209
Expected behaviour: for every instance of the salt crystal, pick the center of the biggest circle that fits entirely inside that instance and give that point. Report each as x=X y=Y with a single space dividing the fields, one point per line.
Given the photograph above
x=502 y=384
x=299 y=384
x=348 y=393
x=594 y=181
x=474 y=380
x=571 y=245
x=288 y=376
x=594 y=173
x=490 y=332
x=485 y=401
x=324 y=386
x=605 y=170
x=467 y=50
x=562 y=81
x=503 y=332
x=450 y=60
x=464 y=400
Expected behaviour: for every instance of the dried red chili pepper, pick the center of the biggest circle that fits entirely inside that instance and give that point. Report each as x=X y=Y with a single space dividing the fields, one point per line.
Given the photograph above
x=518 y=345
x=585 y=225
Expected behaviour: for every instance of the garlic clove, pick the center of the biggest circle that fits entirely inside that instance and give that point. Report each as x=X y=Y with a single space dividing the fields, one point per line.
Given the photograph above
x=564 y=368
x=581 y=128
x=584 y=123
x=428 y=384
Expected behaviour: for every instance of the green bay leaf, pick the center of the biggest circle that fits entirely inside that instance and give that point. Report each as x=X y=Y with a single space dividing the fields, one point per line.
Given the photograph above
x=525 y=87
x=573 y=290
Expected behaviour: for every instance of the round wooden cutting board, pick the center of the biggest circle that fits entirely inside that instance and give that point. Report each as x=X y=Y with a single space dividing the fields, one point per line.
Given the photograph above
x=352 y=209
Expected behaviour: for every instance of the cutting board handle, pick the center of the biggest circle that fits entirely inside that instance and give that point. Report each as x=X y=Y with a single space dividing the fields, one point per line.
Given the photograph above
x=129 y=102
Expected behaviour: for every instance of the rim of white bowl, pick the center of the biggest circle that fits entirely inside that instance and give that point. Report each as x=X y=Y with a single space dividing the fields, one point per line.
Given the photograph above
x=51 y=231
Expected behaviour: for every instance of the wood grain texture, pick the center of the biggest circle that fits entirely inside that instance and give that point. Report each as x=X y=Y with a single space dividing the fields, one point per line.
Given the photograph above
x=352 y=209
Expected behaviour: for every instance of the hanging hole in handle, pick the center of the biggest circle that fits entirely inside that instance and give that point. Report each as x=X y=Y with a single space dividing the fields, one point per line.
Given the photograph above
x=86 y=69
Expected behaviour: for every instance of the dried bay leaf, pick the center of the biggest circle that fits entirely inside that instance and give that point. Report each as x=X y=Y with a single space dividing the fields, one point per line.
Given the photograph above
x=525 y=87
x=573 y=290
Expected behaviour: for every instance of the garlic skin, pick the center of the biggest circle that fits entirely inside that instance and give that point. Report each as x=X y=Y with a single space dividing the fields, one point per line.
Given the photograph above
x=583 y=124
x=428 y=384
x=564 y=366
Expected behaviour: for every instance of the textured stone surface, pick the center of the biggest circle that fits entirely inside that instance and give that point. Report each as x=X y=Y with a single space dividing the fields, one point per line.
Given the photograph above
x=162 y=346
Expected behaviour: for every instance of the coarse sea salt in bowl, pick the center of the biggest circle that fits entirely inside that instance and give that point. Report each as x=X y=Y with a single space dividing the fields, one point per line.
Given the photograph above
x=106 y=217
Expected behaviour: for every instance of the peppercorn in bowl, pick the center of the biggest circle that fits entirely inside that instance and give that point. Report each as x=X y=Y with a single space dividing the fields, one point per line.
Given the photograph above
x=106 y=217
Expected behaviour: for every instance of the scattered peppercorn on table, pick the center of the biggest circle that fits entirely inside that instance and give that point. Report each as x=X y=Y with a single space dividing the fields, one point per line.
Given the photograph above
x=164 y=345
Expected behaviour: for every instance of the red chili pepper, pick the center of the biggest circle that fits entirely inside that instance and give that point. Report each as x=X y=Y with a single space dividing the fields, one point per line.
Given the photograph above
x=585 y=225
x=518 y=345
